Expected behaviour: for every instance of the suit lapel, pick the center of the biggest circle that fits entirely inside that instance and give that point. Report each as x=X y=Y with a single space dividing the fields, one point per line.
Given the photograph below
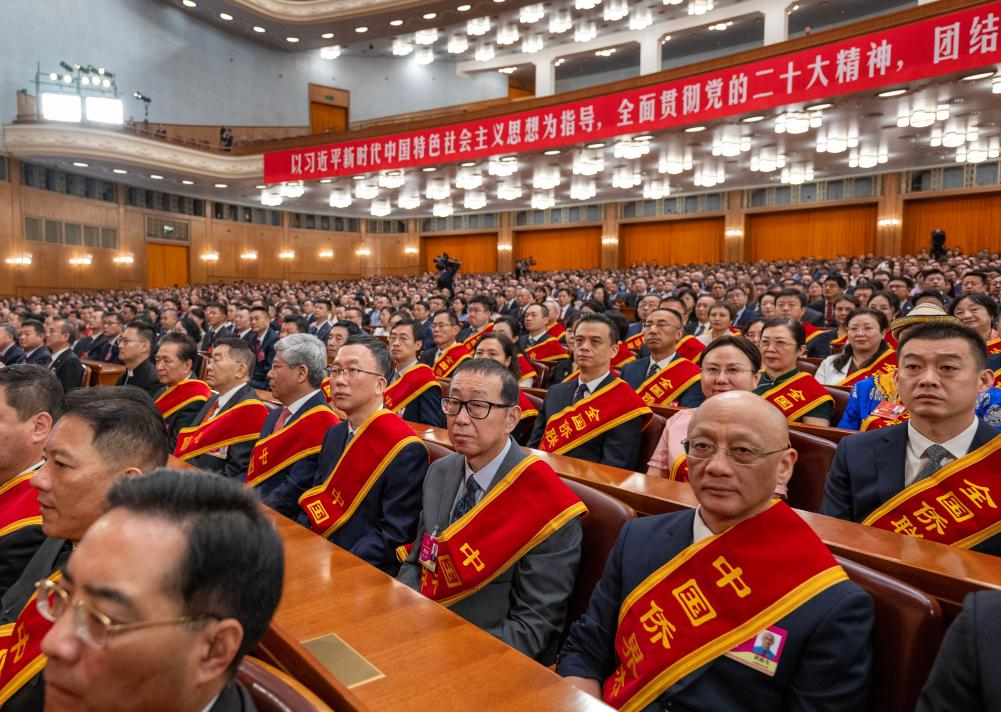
x=984 y=435
x=449 y=488
x=890 y=460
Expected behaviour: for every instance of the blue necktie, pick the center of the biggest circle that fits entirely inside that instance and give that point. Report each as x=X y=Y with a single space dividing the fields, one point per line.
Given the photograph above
x=935 y=454
x=468 y=499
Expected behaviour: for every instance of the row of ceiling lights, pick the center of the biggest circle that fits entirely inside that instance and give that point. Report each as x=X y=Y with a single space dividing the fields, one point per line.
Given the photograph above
x=151 y=176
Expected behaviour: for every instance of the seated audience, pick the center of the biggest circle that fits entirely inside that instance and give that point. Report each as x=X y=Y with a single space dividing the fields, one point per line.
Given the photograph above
x=182 y=396
x=105 y=346
x=664 y=377
x=797 y=394
x=135 y=349
x=31 y=337
x=791 y=304
x=59 y=338
x=448 y=352
x=262 y=339
x=721 y=316
x=866 y=351
x=10 y=351
x=414 y=392
x=497 y=347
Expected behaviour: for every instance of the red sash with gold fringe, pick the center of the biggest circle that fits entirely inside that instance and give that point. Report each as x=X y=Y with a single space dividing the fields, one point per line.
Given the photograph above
x=411 y=384
x=21 y=656
x=875 y=422
x=838 y=344
x=239 y=424
x=374 y=446
x=621 y=357
x=325 y=387
x=797 y=396
x=470 y=341
x=518 y=513
x=528 y=409
x=546 y=351
x=636 y=342
x=297 y=440
x=19 y=504
x=811 y=331
x=955 y=506
x=887 y=363
x=455 y=355
x=557 y=331
x=525 y=368
x=712 y=597
x=589 y=417
x=185 y=392
x=994 y=347
x=679 y=469
x=667 y=385
x=690 y=347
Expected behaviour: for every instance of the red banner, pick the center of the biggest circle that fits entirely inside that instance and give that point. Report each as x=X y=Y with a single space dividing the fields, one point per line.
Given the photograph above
x=950 y=43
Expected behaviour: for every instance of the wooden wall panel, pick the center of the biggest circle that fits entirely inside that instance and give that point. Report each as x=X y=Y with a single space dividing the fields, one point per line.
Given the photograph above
x=478 y=253
x=971 y=222
x=560 y=248
x=821 y=232
x=166 y=265
x=672 y=242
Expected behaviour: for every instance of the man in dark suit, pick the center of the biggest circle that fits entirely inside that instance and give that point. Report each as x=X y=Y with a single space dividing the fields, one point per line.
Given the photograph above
x=105 y=347
x=746 y=313
x=738 y=453
x=179 y=540
x=422 y=315
x=30 y=402
x=228 y=373
x=31 y=337
x=564 y=297
x=295 y=379
x=215 y=325
x=386 y=516
x=93 y=326
x=644 y=306
x=263 y=342
x=791 y=303
x=665 y=327
x=524 y=602
x=479 y=311
x=966 y=676
x=10 y=351
x=941 y=373
x=596 y=339
x=65 y=363
x=405 y=339
x=320 y=328
x=136 y=345
x=175 y=357
x=833 y=287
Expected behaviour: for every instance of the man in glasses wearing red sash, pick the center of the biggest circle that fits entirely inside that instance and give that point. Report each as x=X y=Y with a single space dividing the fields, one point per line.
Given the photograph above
x=104 y=434
x=283 y=462
x=414 y=392
x=536 y=343
x=478 y=312
x=447 y=352
x=182 y=396
x=595 y=416
x=223 y=433
x=664 y=377
x=935 y=476
x=30 y=403
x=735 y=605
x=366 y=493
x=499 y=536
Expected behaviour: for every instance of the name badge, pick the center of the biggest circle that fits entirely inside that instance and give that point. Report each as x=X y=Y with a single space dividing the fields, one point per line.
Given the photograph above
x=763 y=651
x=889 y=410
x=221 y=453
x=428 y=555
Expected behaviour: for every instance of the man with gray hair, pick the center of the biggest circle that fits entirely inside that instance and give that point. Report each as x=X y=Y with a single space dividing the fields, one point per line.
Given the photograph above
x=59 y=337
x=284 y=460
x=10 y=351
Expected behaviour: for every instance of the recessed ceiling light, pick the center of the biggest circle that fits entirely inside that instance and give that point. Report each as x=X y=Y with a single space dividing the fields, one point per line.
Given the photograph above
x=644 y=137
x=258 y=29
x=189 y=3
x=359 y=177
x=468 y=164
x=819 y=107
x=360 y=30
x=292 y=40
x=119 y=171
x=753 y=119
x=978 y=75
x=695 y=129
x=155 y=176
x=395 y=23
x=221 y=185
x=430 y=15
x=464 y=8
x=595 y=145
x=225 y=16
x=260 y=187
x=498 y=1
x=891 y=93
x=327 y=35
x=187 y=182
x=326 y=180
x=552 y=152
x=81 y=164
x=429 y=169
x=509 y=159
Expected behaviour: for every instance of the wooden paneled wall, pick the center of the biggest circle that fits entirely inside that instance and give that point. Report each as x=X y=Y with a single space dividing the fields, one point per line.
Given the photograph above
x=816 y=232
x=478 y=253
x=672 y=242
x=560 y=248
x=971 y=222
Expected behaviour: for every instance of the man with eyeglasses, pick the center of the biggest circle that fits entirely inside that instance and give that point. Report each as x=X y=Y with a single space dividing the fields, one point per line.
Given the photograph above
x=634 y=336
x=413 y=391
x=593 y=416
x=664 y=377
x=135 y=348
x=162 y=598
x=283 y=462
x=448 y=353
x=66 y=365
x=366 y=492
x=478 y=312
x=262 y=340
x=104 y=434
x=105 y=346
x=500 y=535
x=223 y=433
x=673 y=621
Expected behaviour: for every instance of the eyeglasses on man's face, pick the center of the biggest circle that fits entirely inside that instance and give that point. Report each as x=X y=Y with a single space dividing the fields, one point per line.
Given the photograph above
x=478 y=409
x=699 y=449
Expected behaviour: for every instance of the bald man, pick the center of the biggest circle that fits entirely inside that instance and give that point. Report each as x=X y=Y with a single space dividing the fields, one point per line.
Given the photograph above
x=703 y=588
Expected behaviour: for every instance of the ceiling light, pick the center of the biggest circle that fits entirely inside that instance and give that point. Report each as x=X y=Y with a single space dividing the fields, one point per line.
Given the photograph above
x=291 y=40
x=464 y=8
x=507 y=70
x=437 y=189
x=891 y=93
x=546 y=177
x=499 y=167
x=768 y=159
x=700 y=7
x=187 y=182
x=327 y=36
x=359 y=177
x=978 y=152
x=834 y=140
x=221 y=185
x=272 y=197
x=499 y=2
x=588 y=162
x=708 y=175
x=408 y=200
x=585 y=4
x=258 y=29
x=326 y=180
x=605 y=52
x=478 y=26
x=361 y=30
x=978 y=75
x=424 y=56
x=443 y=208
x=923 y=116
x=797 y=173
x=155 y=176
x=752 y=119
x=363 y=252
x=559 y=61
x=582 y=189
x=509 y=188
x=189 y=3
x=119 y=171
x=260 y=187
x=468 y=179
x=474 y=200
x=326 y=254
x=366 y=190
x=426 y=37
x=485 y=52
x=429 y=169
x=340 y=197
x=457 y=44
x=532 y=44
x=20 y=261
x=391 y=180
x=729 y=142
x=666 y=39
x=797 y=122
x=395 y=23
x=615 y=10
x=676 y=158
x=655 y=189
x=818 y=107
x=695 y=129
x=585 y=32
x=508 y=34
x=595 y=145
x=996 y=86
x=626 y=178
x=530 y=14
x=552 y=152
x=631 y=150
x=81 y=164
x=286 y=255
x=81 y=261
x=401 y=47
x=380 y=208
x=225 y=16
x=543 y=200
x=720 y=26
x=868 y=157
x=560 y=21
x=430 y=15
x=468 y=164
x=331 y=52
x=640 y=19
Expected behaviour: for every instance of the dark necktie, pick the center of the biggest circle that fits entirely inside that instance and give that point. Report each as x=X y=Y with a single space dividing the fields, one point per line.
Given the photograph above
x=468 y=499
x=654 y=368
x=580 y=393
x=829 y=313
x=212 y=410
x=282 y=418
x=935 y=454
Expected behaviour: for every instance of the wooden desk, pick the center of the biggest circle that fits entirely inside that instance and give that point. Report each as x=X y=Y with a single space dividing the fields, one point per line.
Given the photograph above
x=107 y=373
x=944 y=572
x=425 y=651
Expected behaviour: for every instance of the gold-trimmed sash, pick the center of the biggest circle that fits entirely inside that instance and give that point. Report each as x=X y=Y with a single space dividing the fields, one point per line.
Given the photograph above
x=690 y=348
x=409 y=386
x=239 y=424
x=455 y=355
x=547 y=351
x=667 y=385
x=580 y=422
x=797 y=396
x=21 y=656
x=886 y=363
x=19 y=504
x=295 y=441
x=183 y=393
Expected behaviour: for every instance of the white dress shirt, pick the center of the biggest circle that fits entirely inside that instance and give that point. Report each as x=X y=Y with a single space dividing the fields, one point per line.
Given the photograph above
x=918 y=443
x=228 y=396
x=700 y=530
x=483 y=478
x=296 y=405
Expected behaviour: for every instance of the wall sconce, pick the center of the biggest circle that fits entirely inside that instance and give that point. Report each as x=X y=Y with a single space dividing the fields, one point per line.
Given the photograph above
x=609 y=241
x=248 y=255
x=410 y=250
x=734 y=232
x=286 y=255
x=19 y=261
x=82 y=260
x=326 y=254
x=124 y=259
x=363 y=252
x=210 y=257
x=504 y=247
x=888 y=222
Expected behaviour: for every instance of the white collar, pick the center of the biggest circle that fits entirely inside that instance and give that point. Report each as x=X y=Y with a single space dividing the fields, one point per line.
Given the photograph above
x=662 y=364
x=958 y=446
x=486 y=474
x=296 y=405
x=59 y=353
x=700 y=530
x=228 y=395
x=592 y=386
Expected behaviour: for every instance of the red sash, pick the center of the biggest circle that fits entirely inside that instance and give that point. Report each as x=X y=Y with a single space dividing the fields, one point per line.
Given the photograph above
x=411 y=384
x=714 y=596
x=954 y=506
x=679 y=469
x=994 y=347
x=690 y=348
x=547 y=351
x=621 y=357
x=455 y=355
x=883 y=383
x=527 y=408
x=519 y=512
x=875 y=422
x=667 y=385
x=21 y=656
x=838 y=344
x=362 y=463
x=589 y=417
x=997 y=378
x=470 y=341
x=325 y=387
x=185 y=392
x=239 y=424
x=811 y=331
x=526 y=368
x=636 y=342
x=557 y=331
x=797 y=396
x=19 y=504
x=886 y=363
x=297 y=440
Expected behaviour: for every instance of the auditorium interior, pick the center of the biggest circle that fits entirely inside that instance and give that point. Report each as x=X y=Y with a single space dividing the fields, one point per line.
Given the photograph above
x=789 y=176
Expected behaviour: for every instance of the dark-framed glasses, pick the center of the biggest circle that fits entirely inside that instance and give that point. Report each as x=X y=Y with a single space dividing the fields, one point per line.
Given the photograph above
x=478 y=409
x=744 y=456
